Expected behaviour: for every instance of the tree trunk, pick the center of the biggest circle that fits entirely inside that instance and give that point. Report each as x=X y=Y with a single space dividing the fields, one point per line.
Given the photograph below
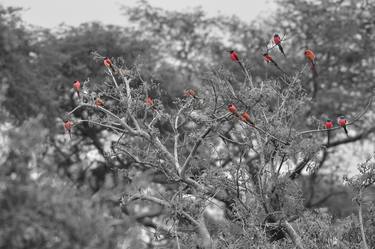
x=365 y=246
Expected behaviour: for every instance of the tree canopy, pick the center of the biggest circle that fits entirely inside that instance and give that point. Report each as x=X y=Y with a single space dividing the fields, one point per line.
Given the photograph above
x=161 y=161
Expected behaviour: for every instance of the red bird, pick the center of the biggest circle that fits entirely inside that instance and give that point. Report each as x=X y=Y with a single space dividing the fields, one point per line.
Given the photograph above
x=232 y=108
x=68 y=127
x=245 y=117
x=77 y=87
x=328 y=124
x=149 y=101
x=268 y=58
x=108 y=63
x=234 y=56
x=343 y=122
x=309 y=54
x=99 y=102
x=277 y=41
x=190 y=93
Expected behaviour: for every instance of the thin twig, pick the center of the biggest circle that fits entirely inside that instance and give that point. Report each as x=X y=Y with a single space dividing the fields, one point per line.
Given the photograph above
x=177 y=134
x=192 y=152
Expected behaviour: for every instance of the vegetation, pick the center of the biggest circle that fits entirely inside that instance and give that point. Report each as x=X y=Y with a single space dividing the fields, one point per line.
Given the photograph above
x=162 y=162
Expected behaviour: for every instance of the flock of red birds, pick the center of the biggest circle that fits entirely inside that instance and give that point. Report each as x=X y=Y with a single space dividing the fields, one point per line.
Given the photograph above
x=245 y=117
x=310 y=56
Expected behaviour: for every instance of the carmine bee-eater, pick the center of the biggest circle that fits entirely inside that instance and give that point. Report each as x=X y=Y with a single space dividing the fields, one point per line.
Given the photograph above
x=149 y=101
x=245 y=117
x=310 y=56
x=108 y=63
x=190 y=93
x=328 y=124
x=68 y=127
x=268 y=59
x=77 y=87
x=341 y=120
x=232 y=108
x=234 y=57
x=99 y=102
x=277 y=41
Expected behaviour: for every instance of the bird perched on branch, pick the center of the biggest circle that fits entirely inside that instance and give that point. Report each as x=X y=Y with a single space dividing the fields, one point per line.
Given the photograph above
x=234 y=57
x=268 y=59
x=150 y=103
x=343 y=122
x=328 y=125
x=277 y=41
x=77 y=87
x=190 y=93
x=232 y=108
x=99 y=102
x=108 y=63
x=245 y=117
x=310 y=56
x=68 y=124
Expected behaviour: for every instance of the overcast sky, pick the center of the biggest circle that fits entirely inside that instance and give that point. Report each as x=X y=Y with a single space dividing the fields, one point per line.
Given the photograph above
x=50 y=13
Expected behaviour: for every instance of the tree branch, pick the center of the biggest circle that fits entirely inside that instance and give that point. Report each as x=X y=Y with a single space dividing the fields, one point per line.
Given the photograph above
x=357 y=118
x=131 y=130
x=300 y=167
x=117 y=87
x=293 y=235
x=177 y=134
x=352 y=139
x=99 y=124
x=192 y=152
x=162 y=203
x=129 y=98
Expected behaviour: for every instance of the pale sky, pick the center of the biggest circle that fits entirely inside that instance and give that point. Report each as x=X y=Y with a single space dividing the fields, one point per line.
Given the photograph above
x=50 y=13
